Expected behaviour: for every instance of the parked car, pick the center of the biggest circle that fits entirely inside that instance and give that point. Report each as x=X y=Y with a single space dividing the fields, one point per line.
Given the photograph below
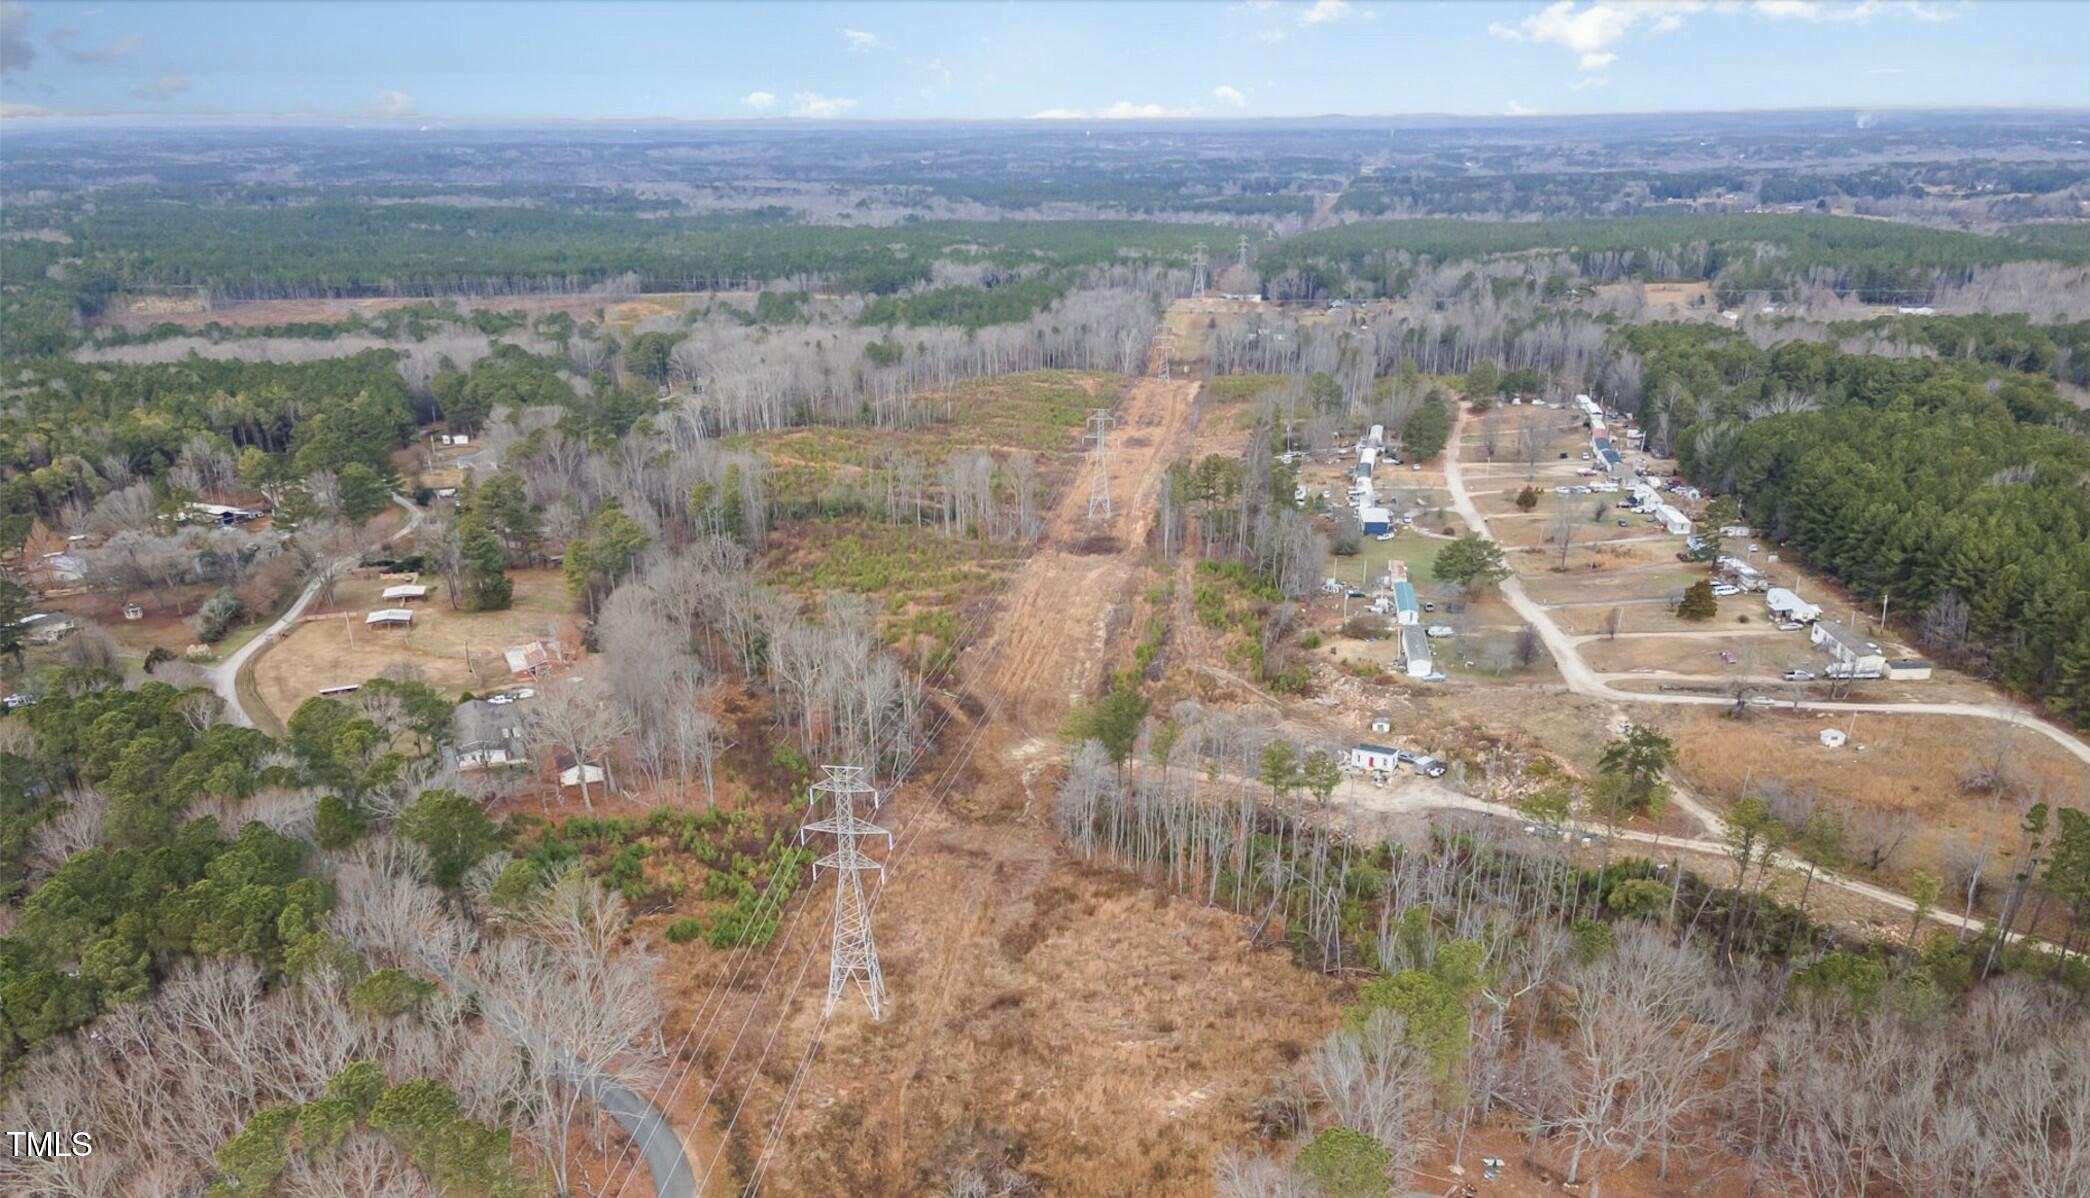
x=1429 y=607
x=1790 y=626
x=1436 y=677
x=1761 y=700
x=1440 y=630
x=1625 y=524
x=1384 y=536
x=1799 y=675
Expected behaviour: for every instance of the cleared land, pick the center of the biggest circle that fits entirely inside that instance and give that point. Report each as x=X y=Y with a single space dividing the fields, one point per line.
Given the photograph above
x=452 y=650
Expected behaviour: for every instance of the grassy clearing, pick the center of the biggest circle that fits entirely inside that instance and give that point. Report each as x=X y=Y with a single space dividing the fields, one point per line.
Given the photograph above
x=451 y=650
x=1893 y=763
x=918 y=580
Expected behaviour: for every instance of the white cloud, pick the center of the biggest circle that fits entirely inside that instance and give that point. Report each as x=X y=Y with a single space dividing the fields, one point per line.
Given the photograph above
x=17 y=111
x=1515 y=109
x=1588 y=81
x=1592 y=30
x=387 y=103
x=814 y=106
x=68 y=43
x=1270 y=35
x=1232 y=95
x=759 y=101
x=166 y=87
x=1864 y=10
x=859 y=40
x=1320 y=12
x=1123 y=110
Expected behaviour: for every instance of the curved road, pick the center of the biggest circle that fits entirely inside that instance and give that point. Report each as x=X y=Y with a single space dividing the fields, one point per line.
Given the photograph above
x=1583 y=681
x=224 y=677
x=643 y=1122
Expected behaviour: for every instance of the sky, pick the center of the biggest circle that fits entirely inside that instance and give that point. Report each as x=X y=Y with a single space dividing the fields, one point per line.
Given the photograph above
x=1009 y=59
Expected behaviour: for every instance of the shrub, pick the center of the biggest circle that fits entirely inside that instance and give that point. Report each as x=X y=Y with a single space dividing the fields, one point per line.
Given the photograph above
x=217 y=615
x=683 y=930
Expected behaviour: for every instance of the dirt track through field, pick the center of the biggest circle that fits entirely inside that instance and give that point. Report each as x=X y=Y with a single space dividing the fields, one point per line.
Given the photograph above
x=1050 y=638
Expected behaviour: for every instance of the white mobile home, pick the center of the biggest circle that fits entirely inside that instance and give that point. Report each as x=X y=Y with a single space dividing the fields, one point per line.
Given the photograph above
x=1787 y=606
x=1672 y=520
x=1855 y=657
x=1373 y=757
x=1415 y=652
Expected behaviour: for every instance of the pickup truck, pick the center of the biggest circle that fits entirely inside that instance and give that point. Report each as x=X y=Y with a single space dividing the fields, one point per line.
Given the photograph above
x=1421 y=763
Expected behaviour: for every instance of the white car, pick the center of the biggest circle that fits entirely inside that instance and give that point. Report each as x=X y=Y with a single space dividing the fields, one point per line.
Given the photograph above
x=1384 y=536
x=1723 y=590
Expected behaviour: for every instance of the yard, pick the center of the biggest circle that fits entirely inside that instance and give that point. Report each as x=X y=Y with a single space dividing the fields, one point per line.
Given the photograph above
x=452 y=650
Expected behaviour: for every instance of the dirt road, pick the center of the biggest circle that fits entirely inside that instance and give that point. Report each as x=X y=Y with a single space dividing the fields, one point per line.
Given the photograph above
x=1048 y=648
x=1583 y=681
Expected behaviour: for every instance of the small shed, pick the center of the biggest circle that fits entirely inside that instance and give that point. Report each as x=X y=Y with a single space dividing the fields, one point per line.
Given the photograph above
x=573 y=775
x=1908 y=669
x=533 y=660
x=389 y=617
x=405 y=593
x=1833 y=738
x=132 y=611
x=1382 y=723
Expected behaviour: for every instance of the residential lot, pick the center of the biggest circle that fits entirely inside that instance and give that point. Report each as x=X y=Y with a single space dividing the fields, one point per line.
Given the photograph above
x=453 y=650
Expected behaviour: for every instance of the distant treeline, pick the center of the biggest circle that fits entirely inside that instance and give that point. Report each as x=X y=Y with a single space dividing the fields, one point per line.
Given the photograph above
x=1877 y=261
x=414 y=249
x=1583 y=193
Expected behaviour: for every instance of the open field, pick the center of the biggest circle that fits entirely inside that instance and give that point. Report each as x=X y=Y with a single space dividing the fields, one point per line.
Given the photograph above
x=1762 y=653
x=1916 y=764
x=451 y=650
x=1654 y=581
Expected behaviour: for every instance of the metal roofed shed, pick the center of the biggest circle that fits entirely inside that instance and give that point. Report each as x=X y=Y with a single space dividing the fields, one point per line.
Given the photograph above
x=405 y=593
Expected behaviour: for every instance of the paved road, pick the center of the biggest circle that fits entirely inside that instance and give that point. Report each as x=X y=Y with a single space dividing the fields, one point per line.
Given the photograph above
x=224 y=677
x=641 y=1120
x=1583 y=681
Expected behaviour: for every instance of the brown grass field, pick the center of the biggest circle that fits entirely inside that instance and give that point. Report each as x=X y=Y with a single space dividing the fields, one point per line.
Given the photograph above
x=1898 y=763
x=1754 y=653
x=452 y=650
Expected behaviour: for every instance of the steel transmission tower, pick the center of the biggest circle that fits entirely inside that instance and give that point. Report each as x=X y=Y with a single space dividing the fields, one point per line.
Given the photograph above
x=855 y=954
x=1244 y=260
x=1198 y=262
x=1165 y=340
x=1099 y=427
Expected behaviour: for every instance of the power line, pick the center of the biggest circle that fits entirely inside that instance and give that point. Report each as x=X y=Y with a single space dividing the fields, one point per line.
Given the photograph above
x=1199 y=261
x=854 y=958
x=1100 y=424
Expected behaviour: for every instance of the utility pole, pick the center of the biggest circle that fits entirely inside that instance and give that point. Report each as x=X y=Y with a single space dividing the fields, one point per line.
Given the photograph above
x=1199 y=260
x=854 y=957
x=1100 y=424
